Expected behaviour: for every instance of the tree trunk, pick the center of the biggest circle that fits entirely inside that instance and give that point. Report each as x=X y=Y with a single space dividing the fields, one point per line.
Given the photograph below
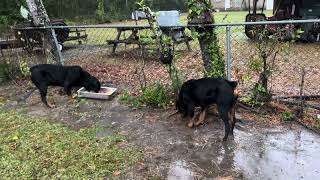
x=38 y=13
x=211 y=55
x=40 y=18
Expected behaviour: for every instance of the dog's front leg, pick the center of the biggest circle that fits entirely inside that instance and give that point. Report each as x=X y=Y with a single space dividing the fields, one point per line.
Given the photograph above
x=43 y=88
x=202 y=116
x=192 y=121
x=44 y=100
x=68 y=90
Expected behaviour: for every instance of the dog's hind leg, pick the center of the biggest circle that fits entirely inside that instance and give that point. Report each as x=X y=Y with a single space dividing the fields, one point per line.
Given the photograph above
x=43 y=88
x=233 y=112
x=225 y=117
x=190 y=112
x=233 y=118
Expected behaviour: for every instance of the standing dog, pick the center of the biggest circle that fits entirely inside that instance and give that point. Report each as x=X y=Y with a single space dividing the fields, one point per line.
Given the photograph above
x=44 y=75
x=205 y=92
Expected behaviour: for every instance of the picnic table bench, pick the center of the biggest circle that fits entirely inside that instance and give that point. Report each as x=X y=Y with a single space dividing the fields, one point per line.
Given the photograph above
x=80 y=35
x=134 y=37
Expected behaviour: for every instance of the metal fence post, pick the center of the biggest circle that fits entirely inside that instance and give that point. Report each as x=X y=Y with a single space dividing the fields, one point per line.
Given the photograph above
x=228 y=52
x=53 y=33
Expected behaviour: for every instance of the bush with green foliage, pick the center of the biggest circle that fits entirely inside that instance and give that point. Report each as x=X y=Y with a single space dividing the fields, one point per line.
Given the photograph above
x=155 y=95
x=288 y=116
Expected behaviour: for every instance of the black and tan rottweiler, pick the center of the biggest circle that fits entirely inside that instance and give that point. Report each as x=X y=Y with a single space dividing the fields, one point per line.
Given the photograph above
x=44 y=75
x=205 y=92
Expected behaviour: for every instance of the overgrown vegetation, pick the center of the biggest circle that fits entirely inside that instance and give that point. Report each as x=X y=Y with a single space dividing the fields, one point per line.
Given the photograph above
x=263 y=64
x=10 y=69
x=35 y=149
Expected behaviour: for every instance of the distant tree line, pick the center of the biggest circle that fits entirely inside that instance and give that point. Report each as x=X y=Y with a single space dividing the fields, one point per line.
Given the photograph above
x=10 y=12
x=84 y=9
x=114 y=9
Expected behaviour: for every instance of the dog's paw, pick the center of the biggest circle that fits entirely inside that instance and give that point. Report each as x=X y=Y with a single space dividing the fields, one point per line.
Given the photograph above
x=51 y=105
x=225 y=139
x=190 y=124
x=74 y=96
x=71 y=100
x=200 y=121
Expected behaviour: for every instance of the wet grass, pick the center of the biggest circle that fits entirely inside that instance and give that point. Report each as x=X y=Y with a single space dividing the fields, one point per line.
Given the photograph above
x=36 y=149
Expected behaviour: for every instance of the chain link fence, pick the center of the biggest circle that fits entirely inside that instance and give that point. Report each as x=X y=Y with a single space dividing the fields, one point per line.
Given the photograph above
x=115 y=52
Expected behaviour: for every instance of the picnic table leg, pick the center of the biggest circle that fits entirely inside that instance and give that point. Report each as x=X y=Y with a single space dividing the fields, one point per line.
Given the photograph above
x=78 y=36
x=117 y=38
x=186 y=40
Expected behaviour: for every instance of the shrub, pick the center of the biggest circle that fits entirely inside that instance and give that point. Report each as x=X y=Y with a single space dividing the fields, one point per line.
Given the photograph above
x=155 y=95
x=288 y=116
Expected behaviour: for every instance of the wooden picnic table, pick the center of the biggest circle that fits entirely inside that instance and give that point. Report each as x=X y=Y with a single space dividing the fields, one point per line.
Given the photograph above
x=134 y=37
x=78 y=36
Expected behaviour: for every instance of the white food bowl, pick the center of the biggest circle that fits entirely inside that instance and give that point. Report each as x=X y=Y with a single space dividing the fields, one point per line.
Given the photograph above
x=82 y=93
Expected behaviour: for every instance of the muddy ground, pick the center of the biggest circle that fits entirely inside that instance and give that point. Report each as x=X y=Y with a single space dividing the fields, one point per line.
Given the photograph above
x=173 y=151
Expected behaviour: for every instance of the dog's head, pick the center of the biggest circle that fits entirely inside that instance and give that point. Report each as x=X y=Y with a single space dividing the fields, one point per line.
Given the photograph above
x=181 y=103
x=90 y=82
x=93 y=84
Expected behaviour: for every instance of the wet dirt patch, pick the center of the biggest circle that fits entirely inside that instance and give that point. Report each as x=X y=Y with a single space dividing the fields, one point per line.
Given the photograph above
x=173 y=151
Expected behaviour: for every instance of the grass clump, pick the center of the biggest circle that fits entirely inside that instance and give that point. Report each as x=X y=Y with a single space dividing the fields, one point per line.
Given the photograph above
x=155 y=95
x=36 y=149
x=288 y=116
x=134 y=101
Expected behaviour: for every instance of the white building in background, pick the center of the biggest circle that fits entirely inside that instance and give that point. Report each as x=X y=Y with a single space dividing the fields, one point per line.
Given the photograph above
x=269 y=5
x=239 y=4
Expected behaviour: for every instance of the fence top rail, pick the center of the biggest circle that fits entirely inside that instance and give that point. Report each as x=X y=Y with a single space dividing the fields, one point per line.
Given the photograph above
x=195 y=25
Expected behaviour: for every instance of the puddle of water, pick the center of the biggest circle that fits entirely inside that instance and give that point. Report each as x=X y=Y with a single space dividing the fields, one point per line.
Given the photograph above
x=285 y=154
x=179 y=170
